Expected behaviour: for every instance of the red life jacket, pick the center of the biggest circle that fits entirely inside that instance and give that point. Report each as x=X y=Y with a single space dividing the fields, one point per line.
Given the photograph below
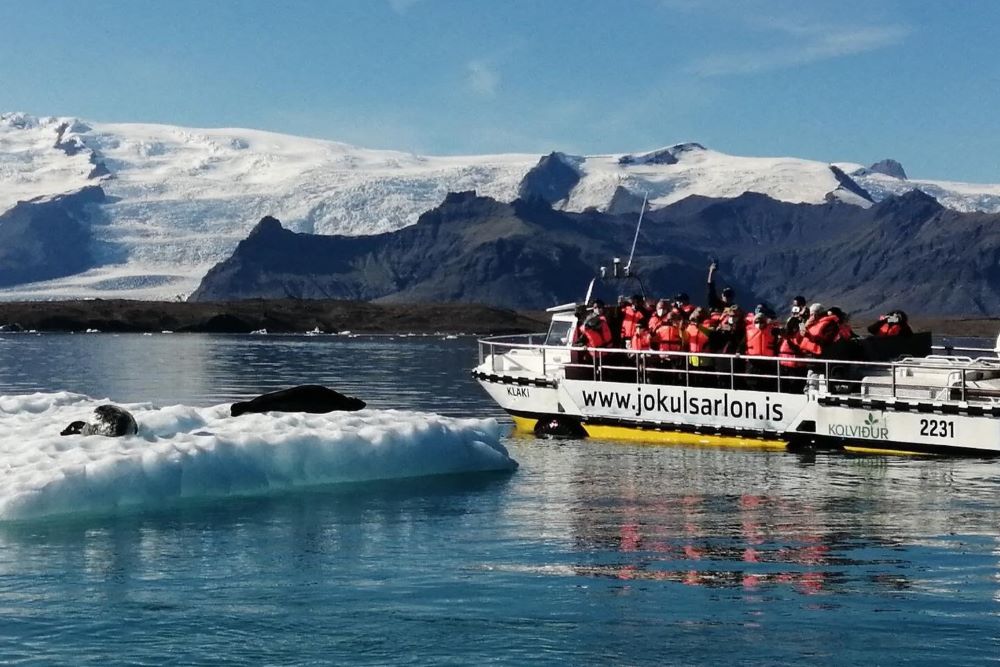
x=760 y=341
x=599 y=337
x=641 y=340
x=845 y=332
x=886 y=329
x=630 y=316
x=697 y=339
x=790 y=350
x=684 y=310
x=667 y=337
x=819 y=334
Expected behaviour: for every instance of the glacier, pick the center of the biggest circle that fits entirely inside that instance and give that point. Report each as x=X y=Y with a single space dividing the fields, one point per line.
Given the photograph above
x=184 y=453
x=181 y=199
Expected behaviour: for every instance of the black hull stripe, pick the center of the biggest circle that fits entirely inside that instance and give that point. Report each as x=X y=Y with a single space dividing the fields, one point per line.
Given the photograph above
x=510 y=379
x=857 y=402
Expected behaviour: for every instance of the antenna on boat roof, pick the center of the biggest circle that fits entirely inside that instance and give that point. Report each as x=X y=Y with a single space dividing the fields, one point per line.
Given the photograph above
x=642 y=211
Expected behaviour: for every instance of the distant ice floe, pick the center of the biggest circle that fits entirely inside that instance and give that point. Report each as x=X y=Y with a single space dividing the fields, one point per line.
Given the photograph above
x=184 y=453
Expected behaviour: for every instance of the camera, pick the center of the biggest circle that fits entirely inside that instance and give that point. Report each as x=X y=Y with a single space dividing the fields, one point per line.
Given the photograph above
x=893 y=318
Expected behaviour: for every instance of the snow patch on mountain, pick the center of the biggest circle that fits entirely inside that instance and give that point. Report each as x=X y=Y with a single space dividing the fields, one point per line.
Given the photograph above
x=692 y=169
x=180 y=199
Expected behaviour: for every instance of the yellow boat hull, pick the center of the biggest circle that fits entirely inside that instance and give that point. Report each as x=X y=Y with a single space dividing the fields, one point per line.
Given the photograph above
x=656 y=437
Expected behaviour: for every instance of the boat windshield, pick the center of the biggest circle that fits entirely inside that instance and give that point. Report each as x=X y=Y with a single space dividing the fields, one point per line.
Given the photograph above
x=559 y=332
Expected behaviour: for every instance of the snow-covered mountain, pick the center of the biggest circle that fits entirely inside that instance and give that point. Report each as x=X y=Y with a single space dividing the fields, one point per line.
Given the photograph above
x=180 y=199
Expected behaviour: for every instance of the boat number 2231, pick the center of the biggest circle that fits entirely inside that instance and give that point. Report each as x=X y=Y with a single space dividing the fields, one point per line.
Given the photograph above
x=940 y=428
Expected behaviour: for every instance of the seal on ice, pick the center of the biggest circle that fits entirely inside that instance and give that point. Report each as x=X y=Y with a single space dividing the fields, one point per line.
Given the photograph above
x=304 y=398
x=109 y=420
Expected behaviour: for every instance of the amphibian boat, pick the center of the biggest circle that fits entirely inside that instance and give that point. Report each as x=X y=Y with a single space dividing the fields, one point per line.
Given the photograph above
x=925 y=403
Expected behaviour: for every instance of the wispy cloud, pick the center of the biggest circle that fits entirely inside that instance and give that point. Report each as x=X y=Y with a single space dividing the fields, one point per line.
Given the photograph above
x=482 y=78
x=787 y=34
x=812 y=45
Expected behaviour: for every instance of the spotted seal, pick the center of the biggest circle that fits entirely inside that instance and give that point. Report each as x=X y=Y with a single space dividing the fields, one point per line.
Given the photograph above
x=109 y=420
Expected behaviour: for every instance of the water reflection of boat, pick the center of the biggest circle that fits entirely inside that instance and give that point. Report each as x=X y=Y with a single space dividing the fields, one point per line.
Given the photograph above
x=918 y=403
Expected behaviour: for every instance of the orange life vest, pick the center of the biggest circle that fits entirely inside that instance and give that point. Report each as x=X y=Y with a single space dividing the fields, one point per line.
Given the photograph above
x=760 y=340
x=667 y=336
x=886 y=329
x=655 y=321
x=697 y=339
x=845 y=332
x=630 y=316
x=597 y=337
x=640 y=340
x=790 y=350
x=820 y=333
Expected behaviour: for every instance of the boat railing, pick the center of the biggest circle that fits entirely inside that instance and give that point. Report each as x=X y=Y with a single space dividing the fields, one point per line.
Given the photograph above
x=935 y=378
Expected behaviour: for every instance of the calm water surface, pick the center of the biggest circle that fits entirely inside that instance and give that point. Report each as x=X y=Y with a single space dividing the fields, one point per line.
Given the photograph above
x=593 y=552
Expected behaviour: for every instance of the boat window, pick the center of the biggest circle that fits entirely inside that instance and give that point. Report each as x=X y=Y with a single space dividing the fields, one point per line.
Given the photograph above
x=559 y=332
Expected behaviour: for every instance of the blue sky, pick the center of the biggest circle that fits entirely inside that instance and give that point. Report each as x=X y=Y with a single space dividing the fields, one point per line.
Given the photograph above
x=838 y=81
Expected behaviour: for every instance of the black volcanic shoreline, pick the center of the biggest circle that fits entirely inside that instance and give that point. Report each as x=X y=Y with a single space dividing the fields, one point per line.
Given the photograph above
x=275 y=315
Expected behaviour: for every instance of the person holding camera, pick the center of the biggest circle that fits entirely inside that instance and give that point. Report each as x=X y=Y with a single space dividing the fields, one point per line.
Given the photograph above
x=799 y=308
x=894 y=323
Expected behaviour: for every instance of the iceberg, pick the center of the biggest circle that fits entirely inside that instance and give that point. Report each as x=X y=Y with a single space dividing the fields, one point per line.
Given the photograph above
x=183 y=453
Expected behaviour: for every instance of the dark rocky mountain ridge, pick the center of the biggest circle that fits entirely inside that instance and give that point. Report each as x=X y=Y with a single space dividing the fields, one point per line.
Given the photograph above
x=906 y=251
x=48 y=238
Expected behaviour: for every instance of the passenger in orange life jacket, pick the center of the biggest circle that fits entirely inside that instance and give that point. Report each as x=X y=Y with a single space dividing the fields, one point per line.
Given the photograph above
x=791 y=341
x=789 y=351
x=640 y=338
x=844 y=331
x=632 y=313
x=698 y=331
x=819 y=331
x=761 y=332
x=682 y=305
x=762 y=341
x=594 y=331
x=659 y=314
x=895 y=323
x=669 y=335
x=731 y=325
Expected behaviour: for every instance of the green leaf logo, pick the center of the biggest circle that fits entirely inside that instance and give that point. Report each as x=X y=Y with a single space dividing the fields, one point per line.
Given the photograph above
x=871 y=421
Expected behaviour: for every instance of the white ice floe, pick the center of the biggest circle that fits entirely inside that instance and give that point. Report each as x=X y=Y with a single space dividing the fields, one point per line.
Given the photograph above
x=185 y=452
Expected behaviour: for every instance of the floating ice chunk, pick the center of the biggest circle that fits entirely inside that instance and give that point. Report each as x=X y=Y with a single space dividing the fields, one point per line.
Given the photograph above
x=185 y=452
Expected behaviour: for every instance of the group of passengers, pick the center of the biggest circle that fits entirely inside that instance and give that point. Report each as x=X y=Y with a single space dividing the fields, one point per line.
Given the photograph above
x=723 y=327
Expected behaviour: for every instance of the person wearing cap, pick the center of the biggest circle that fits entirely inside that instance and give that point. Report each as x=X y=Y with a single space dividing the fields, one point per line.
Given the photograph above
x=682 y=305
x=730 y=318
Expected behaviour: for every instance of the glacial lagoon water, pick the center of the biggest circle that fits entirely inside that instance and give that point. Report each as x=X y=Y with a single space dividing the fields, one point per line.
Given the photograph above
x=589 y=553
